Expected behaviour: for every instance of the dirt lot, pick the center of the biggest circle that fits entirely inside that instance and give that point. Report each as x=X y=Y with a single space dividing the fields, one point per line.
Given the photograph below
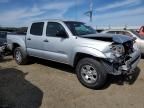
x=47 y=84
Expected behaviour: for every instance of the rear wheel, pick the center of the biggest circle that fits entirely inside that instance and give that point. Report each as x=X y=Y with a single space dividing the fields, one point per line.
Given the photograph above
x=90 y=73
x=19 y=56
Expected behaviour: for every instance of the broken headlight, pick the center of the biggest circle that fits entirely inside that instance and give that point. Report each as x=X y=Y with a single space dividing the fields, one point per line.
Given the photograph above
x=117 y=50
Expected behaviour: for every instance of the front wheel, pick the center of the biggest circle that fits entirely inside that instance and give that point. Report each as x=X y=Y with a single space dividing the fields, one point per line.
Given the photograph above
x=19 y=56
x=90 y=73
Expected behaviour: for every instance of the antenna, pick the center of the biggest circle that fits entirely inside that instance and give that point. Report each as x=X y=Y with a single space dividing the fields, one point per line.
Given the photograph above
x=90 y=12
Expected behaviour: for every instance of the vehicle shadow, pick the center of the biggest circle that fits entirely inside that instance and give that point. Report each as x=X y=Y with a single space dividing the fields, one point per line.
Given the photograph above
x=16 y=91
x=2 y=60
x=122 y=79
x=59 y=66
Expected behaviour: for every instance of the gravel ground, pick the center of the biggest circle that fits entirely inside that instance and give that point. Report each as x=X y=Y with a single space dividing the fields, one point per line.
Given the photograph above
x=45 y=84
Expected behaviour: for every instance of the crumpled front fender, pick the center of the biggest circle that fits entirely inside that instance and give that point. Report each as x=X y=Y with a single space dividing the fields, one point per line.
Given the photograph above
x=87 y=50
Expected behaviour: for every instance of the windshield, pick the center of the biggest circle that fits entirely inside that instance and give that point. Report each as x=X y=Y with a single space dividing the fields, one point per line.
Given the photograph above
x=79 y=28
x=137 y=34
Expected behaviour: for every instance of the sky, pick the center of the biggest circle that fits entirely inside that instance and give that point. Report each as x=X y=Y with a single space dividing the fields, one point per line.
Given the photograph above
x=20 y=13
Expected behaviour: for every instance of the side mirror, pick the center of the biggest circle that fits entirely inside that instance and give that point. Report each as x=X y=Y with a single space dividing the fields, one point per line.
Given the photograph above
x=62 y=34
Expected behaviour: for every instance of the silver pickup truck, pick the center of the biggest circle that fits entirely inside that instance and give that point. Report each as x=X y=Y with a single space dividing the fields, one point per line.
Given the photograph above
x=93 y=55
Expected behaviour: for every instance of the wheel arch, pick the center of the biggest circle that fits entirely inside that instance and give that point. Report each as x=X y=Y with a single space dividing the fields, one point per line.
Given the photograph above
x=80 y=56
x=81 y=52
x=14 y=46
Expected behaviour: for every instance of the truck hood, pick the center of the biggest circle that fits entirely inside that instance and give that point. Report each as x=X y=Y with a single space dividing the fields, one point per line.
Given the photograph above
x=120 y=39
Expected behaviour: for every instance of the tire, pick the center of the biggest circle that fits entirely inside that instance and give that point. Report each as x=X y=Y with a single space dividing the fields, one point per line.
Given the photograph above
x=20 y=56
x=91 y=73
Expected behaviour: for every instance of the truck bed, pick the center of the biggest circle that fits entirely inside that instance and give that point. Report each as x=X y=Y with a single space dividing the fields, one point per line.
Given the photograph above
x=3 y=38
x=11 y=38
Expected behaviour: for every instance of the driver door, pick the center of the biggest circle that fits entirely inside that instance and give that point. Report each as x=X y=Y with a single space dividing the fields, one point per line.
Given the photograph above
x=56 y=43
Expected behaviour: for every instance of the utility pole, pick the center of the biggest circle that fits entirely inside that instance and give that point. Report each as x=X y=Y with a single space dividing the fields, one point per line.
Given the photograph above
x=76 y=9
x=90 y=12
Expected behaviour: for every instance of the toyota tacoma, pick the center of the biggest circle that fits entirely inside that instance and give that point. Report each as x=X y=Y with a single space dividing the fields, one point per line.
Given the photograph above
x=92 y=55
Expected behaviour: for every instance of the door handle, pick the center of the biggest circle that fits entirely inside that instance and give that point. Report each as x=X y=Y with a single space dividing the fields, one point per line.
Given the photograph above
x=28 y=38
x=46 y=40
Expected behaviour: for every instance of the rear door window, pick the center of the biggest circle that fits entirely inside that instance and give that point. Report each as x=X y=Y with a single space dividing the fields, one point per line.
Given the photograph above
x=37 y=29
x=111 y=32
x=124 y=33
x=127 y=33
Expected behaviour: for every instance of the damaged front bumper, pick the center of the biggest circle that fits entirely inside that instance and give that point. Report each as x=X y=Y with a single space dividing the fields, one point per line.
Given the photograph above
x=125 y=68
x=2 y=48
